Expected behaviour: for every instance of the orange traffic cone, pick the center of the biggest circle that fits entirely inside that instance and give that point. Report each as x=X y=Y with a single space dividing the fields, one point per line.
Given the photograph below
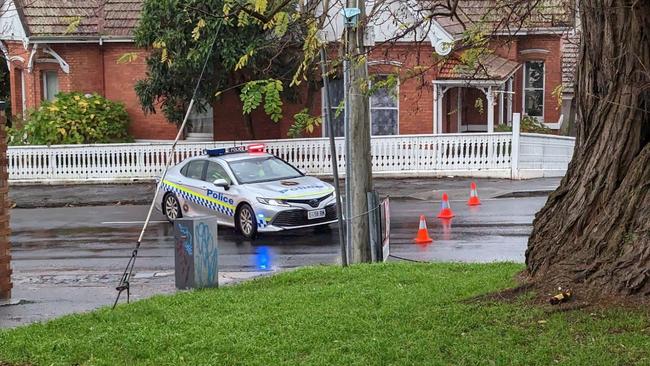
x=473 y=196
x=423 y=233
x=445 y=212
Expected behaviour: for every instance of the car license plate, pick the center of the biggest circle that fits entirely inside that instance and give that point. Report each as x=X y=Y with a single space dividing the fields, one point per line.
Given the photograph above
x=315 y=214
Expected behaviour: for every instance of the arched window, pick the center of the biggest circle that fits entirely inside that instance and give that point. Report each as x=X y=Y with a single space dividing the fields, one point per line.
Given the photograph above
x=384 y=108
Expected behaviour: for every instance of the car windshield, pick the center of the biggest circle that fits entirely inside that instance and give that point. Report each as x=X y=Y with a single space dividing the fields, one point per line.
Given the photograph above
x=263 y=169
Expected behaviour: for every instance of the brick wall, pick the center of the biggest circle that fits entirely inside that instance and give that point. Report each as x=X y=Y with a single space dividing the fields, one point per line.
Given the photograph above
x=120 y=83
x=547 y=49
x=5 y=254
x=93 y=69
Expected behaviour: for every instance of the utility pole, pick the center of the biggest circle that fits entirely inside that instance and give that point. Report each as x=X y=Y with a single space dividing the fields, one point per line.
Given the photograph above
x=360 y=169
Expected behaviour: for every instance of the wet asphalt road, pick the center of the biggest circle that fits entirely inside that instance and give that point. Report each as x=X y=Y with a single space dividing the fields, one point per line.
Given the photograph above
x=99 y=239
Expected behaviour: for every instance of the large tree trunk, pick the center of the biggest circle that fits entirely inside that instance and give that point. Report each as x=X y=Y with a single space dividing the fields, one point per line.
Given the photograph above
x=594 y=231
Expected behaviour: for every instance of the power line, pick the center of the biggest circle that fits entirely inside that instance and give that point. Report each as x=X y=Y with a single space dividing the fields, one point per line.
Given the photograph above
x=125 y=284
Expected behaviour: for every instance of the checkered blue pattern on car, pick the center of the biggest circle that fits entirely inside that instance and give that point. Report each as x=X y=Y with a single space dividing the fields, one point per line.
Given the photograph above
x=205 y=201
x=261 y=221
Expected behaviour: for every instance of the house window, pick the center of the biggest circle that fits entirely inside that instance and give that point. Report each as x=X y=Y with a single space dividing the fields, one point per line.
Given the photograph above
x=384 y=108
x=534 y=88
x=201 y=125
x=336 y=94
x=50 y=85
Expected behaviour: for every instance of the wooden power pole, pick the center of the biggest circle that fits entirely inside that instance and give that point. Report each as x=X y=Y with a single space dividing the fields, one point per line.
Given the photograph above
x=360 y=179
x=5 y=255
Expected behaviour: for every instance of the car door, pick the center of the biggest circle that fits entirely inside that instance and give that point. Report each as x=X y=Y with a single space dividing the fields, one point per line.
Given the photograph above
x=193 y=186
x=221 y=200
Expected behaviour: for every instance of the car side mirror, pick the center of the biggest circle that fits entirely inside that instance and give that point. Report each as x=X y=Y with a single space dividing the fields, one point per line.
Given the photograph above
x=221 y=183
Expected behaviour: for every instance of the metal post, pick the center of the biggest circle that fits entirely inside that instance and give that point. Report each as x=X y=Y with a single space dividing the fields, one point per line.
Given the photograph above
x=335 y=168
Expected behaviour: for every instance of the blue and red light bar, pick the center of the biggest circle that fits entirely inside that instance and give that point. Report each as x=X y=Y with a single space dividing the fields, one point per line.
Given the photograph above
x=255 y=148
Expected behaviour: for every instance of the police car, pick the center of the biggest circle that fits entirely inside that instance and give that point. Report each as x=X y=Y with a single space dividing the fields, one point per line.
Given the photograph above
x=248 y=189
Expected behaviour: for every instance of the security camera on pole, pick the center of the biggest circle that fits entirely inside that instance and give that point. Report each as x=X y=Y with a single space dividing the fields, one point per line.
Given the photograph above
x=357 y=132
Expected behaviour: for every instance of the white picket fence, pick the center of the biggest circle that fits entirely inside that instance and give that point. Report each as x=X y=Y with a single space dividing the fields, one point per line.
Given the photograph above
x=482 y=155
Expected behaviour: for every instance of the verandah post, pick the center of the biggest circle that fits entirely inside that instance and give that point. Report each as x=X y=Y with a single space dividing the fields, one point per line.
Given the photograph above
x=514 y=154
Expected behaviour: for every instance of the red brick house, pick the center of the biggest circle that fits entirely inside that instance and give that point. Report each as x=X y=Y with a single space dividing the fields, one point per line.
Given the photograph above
x=524 y=72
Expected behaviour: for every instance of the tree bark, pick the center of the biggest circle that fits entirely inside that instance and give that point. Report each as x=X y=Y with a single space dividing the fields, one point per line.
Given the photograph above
x=594 y=231
x=5 y=246
x=249 y=126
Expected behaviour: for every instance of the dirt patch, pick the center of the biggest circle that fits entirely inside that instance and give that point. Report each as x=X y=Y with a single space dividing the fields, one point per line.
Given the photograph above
x=508 y=295
x=583 y=297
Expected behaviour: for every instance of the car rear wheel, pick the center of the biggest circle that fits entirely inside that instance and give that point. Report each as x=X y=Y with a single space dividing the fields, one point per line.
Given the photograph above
x=171 y=207
x=246 y=222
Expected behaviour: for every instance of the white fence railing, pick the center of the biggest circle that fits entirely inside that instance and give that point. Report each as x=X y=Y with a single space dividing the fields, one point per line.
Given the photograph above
x=485 y=155
x=544 y=155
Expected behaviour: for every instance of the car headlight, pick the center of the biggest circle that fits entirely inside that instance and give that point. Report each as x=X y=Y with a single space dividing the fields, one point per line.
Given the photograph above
x=272 y=202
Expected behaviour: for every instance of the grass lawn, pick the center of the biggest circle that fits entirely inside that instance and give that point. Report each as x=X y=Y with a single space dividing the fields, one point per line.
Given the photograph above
x=402 y=314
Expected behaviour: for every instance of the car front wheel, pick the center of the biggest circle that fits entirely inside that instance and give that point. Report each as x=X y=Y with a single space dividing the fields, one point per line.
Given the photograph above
x=246 y=222
x=171 y=207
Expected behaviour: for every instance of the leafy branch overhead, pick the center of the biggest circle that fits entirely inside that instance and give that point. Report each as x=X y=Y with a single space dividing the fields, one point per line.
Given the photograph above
x=258 y=50
x=253 y=92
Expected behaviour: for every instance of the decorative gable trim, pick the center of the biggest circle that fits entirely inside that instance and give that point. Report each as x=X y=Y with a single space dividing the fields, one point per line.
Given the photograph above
x=440 y=39
x=13 y=28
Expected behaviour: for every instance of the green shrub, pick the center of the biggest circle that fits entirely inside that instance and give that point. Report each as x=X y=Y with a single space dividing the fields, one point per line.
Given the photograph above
x=528 y=124
x=73 y=118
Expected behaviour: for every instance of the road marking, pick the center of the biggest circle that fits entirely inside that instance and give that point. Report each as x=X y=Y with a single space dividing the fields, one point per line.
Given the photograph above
x=131 y=222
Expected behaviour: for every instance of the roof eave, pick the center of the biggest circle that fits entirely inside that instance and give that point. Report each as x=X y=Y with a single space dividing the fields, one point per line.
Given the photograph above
x=81 y=39
x=477 y=81
x=533 y=31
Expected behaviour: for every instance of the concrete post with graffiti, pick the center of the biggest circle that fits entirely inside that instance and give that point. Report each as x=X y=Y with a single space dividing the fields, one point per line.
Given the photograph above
x=5 y=254
x=196 y=253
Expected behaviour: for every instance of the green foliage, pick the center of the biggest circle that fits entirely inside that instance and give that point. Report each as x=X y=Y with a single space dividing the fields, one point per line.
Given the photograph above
x=253 y=92
x=386 y=81
x=528 y=124
x=73 y=24
x=303 y=122
x=128 y=57
x=557 y=93
x=478 y=104
x=253 y=57
x=73 y=118
x=379 y=314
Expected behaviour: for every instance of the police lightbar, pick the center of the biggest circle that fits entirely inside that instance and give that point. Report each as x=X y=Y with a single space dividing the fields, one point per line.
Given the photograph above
x=255 y=148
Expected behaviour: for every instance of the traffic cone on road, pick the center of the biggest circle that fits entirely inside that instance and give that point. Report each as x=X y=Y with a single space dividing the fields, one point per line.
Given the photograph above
x=445 y=212
x=473 y=196
x=423 y=233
